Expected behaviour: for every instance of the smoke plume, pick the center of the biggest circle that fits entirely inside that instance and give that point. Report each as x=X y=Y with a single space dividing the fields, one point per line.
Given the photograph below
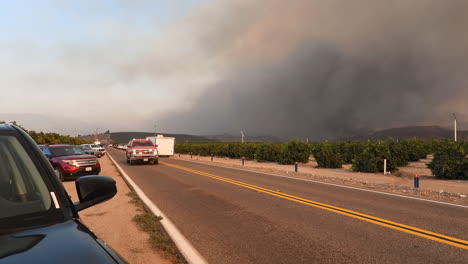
x=319 y=69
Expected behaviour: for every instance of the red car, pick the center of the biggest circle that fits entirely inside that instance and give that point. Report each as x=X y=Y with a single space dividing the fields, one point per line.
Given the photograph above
x=141 y=150
x=70 y=161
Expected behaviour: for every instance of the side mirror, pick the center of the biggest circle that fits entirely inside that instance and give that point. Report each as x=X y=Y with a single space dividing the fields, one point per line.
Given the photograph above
x=93 y=190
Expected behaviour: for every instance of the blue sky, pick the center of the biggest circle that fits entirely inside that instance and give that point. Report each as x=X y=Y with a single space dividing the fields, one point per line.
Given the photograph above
x=54 y=21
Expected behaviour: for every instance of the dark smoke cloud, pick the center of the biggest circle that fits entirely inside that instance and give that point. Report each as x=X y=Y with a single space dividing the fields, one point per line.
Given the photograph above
x=325 y=69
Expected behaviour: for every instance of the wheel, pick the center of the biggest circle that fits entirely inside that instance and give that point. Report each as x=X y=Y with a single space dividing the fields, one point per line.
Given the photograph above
x=128 y=160
x=155 y=162
x=59 y=173
x=132 y=162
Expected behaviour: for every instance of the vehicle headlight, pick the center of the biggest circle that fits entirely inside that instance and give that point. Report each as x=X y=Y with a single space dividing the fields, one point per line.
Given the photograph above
x=69 y=162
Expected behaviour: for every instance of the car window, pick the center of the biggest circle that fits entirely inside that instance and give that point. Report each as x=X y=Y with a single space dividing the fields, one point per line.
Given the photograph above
x=22 y=189
x=66 y=151
x=95 y=146
x=46 y=151
x=142 y=143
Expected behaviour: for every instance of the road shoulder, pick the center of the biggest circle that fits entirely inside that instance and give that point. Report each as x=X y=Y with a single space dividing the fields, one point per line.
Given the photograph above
x=112 y=221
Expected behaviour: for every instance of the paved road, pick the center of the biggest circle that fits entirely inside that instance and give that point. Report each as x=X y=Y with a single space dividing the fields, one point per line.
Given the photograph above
x=234 y=216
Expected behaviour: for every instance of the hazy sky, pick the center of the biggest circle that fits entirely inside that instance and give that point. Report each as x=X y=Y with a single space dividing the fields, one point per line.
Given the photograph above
x=69 y=60
x=298 y=68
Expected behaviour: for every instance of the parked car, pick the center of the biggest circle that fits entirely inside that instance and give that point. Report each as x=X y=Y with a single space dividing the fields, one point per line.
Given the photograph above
x=87 y=150
x=71 y=161
x=38 y=221
x=141 y=150
x=99 y=151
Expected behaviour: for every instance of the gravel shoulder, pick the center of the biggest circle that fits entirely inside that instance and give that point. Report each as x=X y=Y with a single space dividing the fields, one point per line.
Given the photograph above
x=112 y=221
x=454 y=191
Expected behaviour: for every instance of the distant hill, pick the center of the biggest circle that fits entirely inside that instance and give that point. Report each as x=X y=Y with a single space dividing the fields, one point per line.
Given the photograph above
x=124 y=137
x=237 y=138
x=419 y=132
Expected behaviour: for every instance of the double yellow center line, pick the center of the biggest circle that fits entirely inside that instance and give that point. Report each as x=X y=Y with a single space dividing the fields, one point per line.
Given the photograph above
x=368 y=218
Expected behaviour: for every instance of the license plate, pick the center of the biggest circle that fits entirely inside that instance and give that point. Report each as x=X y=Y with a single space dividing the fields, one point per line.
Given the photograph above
x=145 y=159
x=88 y=169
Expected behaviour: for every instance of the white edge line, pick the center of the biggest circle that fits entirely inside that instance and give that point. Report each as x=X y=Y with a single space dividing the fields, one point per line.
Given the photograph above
x=54 y=198
x=189 y=252
x=332 y=184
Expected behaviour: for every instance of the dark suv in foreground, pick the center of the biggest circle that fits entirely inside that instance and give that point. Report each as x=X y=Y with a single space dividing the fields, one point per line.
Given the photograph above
x=71 y=161
x=38 y=221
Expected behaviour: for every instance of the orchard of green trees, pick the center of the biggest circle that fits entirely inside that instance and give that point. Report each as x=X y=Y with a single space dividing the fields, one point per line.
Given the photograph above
x=450 y=158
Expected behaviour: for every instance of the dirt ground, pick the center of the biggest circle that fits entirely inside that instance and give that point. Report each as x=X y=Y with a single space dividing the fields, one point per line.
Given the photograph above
x=455 y=191
x=112 y=221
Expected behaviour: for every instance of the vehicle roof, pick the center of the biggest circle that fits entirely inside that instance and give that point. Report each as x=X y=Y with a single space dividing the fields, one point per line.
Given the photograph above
x=140 y=139
x=6 y=127
x=60 y=145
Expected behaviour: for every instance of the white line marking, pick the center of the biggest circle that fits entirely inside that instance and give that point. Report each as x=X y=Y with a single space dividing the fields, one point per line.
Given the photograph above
x=54 y=198
x=332 y=184
x=189 y=252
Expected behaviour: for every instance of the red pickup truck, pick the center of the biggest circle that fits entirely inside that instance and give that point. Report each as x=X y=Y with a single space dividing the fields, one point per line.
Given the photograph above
x=142 y=150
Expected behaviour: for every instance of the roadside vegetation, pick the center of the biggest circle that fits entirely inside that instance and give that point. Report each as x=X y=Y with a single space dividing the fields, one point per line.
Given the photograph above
x=450 y=158
x=43 y=138
x=159 y=239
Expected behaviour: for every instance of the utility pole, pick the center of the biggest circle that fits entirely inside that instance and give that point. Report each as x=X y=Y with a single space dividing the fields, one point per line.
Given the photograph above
x=242 y=137
x=95 y=135
x=155 y=130
x=455 y=127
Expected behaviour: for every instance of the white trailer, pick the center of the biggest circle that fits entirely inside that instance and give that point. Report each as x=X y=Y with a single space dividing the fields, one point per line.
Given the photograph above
x=164 y=144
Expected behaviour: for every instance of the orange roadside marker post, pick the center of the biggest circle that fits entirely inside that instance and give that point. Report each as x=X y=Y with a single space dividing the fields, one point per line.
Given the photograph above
x=416 y=181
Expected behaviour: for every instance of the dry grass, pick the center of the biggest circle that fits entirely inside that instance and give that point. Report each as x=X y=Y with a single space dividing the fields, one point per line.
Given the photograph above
x=159 y=239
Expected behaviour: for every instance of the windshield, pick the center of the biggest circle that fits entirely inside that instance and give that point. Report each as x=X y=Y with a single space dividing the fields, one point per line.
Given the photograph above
x=143 y=144
x=95 y=146
x=24 y=196
x=66 y=151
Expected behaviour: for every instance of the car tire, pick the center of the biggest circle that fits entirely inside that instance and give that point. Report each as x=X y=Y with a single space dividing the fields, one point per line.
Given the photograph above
x=59 y=173
x=132 y=162
x=155 y=162
x=128 y=160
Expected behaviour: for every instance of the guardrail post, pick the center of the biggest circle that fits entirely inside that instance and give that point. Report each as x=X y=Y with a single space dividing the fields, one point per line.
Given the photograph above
x=191 y=155
x=211 y=156
x=416 y=181
x=295 y=166
x=243 y=160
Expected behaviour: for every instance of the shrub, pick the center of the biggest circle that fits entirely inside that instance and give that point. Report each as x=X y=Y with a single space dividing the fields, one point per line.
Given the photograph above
x=269 y=152
x=450 y=162
x=326 y=156
x=371 y=159
x=349 y=150
x=295 y=150
x=399 y=153
x=414 y=149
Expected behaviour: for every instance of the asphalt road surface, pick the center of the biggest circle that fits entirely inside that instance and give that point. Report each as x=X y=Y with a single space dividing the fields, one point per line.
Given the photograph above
x=234 y=216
